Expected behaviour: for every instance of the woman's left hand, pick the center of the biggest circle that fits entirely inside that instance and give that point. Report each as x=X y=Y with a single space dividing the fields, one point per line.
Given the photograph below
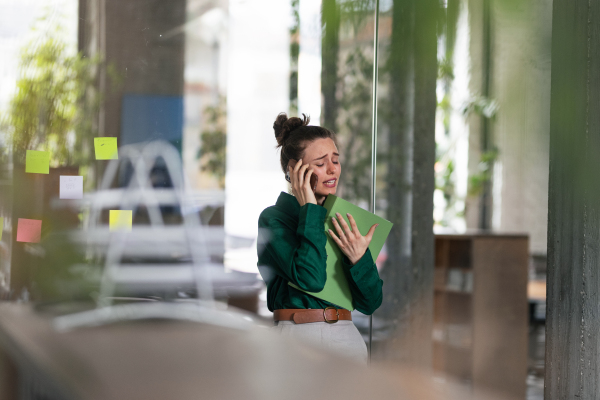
x=351 y=242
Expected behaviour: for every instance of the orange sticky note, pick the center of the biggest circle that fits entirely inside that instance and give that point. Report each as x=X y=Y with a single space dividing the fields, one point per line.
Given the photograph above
x=29 y=230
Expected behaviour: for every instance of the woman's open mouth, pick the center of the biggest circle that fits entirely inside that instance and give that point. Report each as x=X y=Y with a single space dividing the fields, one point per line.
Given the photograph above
x=330 y=183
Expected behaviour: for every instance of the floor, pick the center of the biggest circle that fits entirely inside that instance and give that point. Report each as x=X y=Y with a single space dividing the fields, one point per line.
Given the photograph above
x=535 y=376
x=537 y=342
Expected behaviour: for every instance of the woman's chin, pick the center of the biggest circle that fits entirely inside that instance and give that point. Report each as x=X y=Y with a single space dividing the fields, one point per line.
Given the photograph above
x=327 y=191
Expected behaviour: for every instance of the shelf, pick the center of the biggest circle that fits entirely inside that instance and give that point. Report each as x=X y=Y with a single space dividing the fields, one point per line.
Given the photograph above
x=445 y=268
x=452 y=291
x=471 y=324
x=445 y=344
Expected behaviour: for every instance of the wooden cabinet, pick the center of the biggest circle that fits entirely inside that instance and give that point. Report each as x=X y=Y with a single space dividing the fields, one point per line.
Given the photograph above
x=480 y=311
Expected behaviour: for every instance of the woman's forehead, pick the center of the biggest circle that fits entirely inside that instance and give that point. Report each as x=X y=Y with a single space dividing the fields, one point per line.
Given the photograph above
x=320 y=147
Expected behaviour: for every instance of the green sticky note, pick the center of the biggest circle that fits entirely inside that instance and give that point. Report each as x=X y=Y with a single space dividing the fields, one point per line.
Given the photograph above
x=37 y=162
x=120 y=220
x=106 y=148
x=337 y=289
x=1 y=226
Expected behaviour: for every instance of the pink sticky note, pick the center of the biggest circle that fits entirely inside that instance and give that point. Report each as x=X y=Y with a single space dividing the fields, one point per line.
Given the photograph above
x=29 y=230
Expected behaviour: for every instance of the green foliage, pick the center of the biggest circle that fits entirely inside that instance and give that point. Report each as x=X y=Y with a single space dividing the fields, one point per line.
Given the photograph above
x=356 y=13
x=481 y=105
x=355 y=126
x=294 y=54
x=478 y=181
x=63 y=274
x=213 y=141
x=355 y=80
x=444 y=181
x=445 y=107
x=445 y=70
x=46 y=113
x=445 y=177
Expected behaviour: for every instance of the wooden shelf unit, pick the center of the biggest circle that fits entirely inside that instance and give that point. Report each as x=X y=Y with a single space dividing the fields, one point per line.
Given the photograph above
x=480 y=311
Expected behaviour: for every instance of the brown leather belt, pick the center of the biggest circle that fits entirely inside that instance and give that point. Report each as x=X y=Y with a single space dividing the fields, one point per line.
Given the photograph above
x=330 y=315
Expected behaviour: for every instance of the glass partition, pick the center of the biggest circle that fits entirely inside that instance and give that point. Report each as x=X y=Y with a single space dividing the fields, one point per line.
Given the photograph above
x=407 y=85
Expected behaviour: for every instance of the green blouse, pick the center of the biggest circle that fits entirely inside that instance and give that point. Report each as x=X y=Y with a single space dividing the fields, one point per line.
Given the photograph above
x=295 y=252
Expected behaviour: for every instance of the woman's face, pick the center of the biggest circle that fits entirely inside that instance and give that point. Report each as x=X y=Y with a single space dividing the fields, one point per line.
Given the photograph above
x=323 y=157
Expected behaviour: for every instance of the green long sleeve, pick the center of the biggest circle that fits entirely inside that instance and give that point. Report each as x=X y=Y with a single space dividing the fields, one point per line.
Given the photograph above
x=299 y=256
x=365 y=284
x=295 y=252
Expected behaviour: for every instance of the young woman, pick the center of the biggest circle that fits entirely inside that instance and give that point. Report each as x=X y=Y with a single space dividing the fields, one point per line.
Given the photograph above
x=296 y=244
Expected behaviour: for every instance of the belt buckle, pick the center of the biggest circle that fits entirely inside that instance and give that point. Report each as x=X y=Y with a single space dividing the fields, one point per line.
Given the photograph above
x=336 y=313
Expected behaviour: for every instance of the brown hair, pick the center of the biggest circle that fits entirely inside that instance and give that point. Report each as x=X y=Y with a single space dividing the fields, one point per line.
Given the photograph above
x=294 y=134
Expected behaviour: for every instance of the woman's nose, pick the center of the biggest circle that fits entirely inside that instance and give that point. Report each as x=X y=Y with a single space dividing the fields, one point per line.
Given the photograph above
x=332 y=168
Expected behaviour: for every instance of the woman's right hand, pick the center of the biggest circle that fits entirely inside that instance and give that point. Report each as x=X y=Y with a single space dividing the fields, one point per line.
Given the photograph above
x=300 y=178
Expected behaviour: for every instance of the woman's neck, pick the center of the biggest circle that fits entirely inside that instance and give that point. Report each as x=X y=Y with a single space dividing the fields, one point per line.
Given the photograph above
x=320 y=199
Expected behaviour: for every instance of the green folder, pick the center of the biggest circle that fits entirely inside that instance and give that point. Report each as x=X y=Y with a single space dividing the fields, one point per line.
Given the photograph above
x=336 y=290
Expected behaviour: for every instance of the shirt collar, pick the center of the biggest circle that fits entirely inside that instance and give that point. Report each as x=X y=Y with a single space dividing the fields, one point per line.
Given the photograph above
x=288 y=203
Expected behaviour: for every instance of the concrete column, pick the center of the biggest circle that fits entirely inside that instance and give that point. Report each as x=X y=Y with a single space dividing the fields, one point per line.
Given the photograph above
x=409 y=150
x=573 y=303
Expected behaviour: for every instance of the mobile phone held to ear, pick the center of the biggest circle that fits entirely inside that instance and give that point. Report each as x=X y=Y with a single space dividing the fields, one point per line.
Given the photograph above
x=313 y=182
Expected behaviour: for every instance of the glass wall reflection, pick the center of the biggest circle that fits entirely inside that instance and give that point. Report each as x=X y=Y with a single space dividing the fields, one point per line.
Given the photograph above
x=208 y=77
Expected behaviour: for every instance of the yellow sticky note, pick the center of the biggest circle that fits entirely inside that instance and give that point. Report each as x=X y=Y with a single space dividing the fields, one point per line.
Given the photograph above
x=1 y=226
x=37 y=162
x=106 y=148
x=120 y=220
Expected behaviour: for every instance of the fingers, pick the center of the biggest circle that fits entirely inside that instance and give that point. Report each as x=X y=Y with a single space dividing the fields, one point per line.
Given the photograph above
x=298 y=165
x=307 y=178
x=301 y=175
x=296 y=175
x=353 y=224
x=369 y=234
x=340 y=232
x=336 y=239
x=293 y=174
x=344 y=225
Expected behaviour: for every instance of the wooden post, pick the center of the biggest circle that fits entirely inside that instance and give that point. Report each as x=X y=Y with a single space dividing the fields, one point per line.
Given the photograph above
x=573 y=303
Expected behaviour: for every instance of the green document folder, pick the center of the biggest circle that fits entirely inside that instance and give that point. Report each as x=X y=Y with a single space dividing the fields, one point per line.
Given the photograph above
x=336 y=290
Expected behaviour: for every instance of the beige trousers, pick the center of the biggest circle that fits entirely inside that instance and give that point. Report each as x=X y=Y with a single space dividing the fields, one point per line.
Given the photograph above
x=341 y=337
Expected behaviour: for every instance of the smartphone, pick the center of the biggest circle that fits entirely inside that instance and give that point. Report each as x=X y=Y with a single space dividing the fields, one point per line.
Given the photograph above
x=313 y=180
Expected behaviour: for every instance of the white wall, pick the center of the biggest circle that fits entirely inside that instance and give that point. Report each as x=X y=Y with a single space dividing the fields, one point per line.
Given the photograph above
x=522 y=127
x=257 y=90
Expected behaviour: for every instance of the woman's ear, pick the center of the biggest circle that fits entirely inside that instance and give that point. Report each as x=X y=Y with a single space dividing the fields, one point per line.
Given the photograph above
x=292 y=163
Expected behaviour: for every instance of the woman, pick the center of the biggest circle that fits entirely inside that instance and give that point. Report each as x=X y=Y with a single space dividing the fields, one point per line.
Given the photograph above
x=296 y=244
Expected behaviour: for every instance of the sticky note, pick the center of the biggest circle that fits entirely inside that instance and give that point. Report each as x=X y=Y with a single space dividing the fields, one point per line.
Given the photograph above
x=106 y=148
x=120 y=220
x=1 y=226
x=29 y=230
x=71 y=187
x=37 y=162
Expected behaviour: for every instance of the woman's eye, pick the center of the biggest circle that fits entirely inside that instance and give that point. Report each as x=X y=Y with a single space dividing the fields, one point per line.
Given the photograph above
x=320 y=165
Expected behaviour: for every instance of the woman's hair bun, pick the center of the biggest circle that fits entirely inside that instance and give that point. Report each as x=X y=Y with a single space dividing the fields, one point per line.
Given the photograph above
x=283 y=126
